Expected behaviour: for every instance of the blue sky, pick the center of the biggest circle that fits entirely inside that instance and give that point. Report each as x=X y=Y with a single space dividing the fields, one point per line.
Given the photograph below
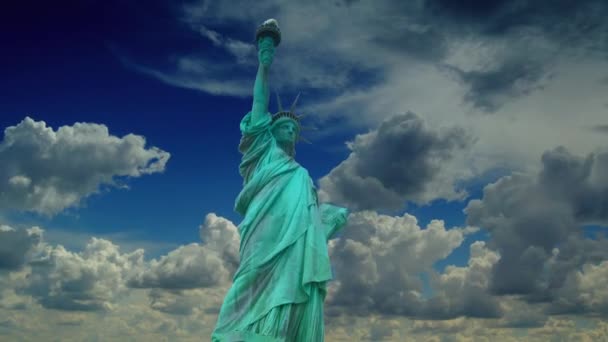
x=63 y=77
x=485 y=115
x=74 y=72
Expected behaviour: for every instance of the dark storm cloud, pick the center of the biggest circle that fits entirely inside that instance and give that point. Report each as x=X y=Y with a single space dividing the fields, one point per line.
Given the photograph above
x=392 y=164
x=427 y=43
x=530 y=216
x=568 y=295
x=522 y=39
x=567 y=21
x=465 y=9
x=600 y=129
x=583 y=182
x=565 y=26
x=374 y=36
x=490 y=90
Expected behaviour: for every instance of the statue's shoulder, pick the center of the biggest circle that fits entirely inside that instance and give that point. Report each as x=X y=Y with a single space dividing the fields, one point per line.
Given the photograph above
x=253 y=123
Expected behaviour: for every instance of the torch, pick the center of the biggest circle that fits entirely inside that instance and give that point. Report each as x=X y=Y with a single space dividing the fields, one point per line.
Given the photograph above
x=269 y=28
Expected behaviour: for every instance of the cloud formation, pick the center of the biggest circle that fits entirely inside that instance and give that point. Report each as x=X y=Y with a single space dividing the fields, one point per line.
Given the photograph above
x=379 y=260
x=402 y=160
x=46 y=171
x=389 y=253
x=96 y=278
x=187 y=267
x=221 y=236
x=430 y=30
x=92 y=280
x=463 y=291
x=210 y=264
x=17 y=246
x=530 y=64
x=535 y=222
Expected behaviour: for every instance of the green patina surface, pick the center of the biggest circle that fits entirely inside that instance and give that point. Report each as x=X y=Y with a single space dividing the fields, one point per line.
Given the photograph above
x=278 y=290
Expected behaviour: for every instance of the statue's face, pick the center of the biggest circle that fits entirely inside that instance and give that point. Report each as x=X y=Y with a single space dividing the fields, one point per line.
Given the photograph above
x=266 y=50
x=285 y=132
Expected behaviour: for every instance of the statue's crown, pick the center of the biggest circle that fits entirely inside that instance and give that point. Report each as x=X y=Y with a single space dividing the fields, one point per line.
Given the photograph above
x=284 y=114
x=290 y=115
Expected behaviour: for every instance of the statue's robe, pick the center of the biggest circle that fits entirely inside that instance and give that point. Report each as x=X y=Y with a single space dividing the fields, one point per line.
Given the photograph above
x=279 y=288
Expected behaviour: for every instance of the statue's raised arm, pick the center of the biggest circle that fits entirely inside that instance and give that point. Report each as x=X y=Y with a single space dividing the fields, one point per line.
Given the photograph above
x=268 y=37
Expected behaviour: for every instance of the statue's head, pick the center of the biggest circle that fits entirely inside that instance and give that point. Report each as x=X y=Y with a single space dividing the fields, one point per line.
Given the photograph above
x=285 y=130
x=266 y=50
x=286 y=127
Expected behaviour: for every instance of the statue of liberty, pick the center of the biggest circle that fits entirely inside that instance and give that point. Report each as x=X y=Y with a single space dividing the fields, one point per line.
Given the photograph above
x=279 y=288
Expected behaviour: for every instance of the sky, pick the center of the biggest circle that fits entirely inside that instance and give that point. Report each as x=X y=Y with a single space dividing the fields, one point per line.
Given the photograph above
x=469 y=139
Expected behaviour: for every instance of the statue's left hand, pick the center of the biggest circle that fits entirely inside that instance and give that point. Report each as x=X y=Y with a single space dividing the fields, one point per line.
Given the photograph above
x=342 y=216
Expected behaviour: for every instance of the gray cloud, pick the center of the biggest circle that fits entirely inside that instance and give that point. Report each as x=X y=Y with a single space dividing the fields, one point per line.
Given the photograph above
x=374 y=29
x=92 y=280
x=600 y=128
x=395 y=32
x=583 y=291
x=196 y=265
x=384 y=56
x=221 y=236
x=582 y=182
x=525 y=225
x=378 y=261
x=576 y=258
x=491 y=89
x=396 y=163
x=17 y=246
x=464 y=290
x=538 y=33
x=523 y=316
x=173 y=302
x=444 y=327
x=187 y=267
x=382 y=330
x=403 y=33
x=568 y=22
x=535 y=225
x=96 y=278
x=47 y=171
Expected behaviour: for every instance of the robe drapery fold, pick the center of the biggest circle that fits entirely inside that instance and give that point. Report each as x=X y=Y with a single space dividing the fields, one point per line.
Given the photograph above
x=278 y=290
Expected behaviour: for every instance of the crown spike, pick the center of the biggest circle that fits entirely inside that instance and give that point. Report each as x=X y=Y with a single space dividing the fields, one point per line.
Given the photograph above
x=278 y=101
x=293 y=105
